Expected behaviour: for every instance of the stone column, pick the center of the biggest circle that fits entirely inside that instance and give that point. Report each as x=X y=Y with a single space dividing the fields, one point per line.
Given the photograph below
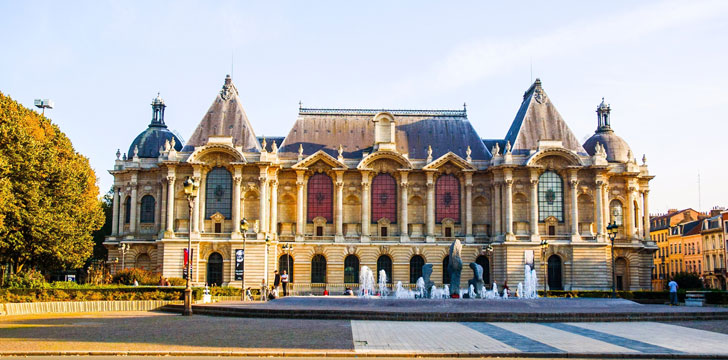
x=339 y=209
x=274 y=208
x=122 y=211
x=646 y=213
x=196 y=209
x=300 y=217
x=133 y=217
x=534 y=206
x=469 y=207
x=263 y=186
x=404 y=221
x=605 y=196
x=630 y=212
x=600 y=209
x=115 y=213
x=430 y=207
x=497 y=208
x=158 y=208
x=509 y=205
x=574 y=183
x=170 y=205
x=237 y=180
x=365 y=222
x=201 y=199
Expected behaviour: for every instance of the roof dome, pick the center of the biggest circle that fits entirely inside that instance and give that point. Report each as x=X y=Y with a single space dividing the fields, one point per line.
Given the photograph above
x=151 y=139
x=617 y=149
x=154 y=137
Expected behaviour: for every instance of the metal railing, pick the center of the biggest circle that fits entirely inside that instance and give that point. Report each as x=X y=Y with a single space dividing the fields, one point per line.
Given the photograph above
x=305 y=289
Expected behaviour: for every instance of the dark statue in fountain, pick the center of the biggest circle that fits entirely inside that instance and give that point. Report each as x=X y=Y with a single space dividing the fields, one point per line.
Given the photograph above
x=426 y=273
x=477 y=280
x=455 y=267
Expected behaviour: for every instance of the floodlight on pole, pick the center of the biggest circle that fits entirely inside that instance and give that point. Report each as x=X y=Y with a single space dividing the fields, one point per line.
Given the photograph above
x=44 y=104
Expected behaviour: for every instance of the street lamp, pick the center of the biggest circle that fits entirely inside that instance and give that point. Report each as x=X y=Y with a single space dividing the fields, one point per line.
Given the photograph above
x=123 y=248
x=544 y=246
x=44 y=104
x=612 y=231
x=267 y=243
x=288 y=248
x=190 y=187
x=244 y=226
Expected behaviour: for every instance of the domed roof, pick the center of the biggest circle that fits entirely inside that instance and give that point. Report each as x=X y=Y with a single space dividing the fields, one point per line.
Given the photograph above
x=617 y=149
x=151 y=139
x=155 y=136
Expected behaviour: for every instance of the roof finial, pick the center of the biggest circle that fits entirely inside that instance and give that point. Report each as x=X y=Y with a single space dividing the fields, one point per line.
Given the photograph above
x=300 y=152
x=300 y=105
x=264 y=143
x=118 y=154
x=465 y=107
x=644 y=159
x=468 y=152
x=429 y=153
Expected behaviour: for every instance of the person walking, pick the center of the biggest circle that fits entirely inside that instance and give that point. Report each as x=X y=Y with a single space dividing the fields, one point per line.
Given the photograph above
x=276 y=280
x=284 y=282
x=673 y=292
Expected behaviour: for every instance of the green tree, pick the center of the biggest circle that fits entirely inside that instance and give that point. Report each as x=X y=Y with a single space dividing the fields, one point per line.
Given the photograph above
x=49 y=203
x=687 y=281
x=100 y=235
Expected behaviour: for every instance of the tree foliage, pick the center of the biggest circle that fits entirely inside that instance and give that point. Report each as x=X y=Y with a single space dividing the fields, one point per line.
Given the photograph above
x=687 y=281
x=48 y=194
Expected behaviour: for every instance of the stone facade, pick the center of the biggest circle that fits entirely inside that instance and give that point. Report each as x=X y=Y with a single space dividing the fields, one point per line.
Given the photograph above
x=429 y=170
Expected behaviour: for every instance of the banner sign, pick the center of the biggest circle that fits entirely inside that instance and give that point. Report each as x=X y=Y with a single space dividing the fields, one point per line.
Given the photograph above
x=185 y=259
x=239 y=263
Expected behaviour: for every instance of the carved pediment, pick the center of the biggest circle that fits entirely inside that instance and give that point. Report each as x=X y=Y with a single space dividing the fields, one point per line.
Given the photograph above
x=449 y=161
x=320 y=159
x=217 y=217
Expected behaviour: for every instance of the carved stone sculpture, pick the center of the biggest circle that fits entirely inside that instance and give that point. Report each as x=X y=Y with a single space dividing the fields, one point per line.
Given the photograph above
x=426 y=273
x=477 y=280
x=455 y=267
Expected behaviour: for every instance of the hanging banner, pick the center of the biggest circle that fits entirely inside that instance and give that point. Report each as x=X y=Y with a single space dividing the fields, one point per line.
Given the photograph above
x=239 y=264
x=185 y=259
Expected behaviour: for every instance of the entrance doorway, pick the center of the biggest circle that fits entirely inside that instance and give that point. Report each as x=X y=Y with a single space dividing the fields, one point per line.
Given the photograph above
x=554 y=273
x=214 y=269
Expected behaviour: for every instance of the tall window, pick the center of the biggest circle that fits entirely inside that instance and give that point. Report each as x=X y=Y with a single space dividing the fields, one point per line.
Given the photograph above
x=320 y=197
x=445 y=270
x=147 y=215
x=615 y=212
x=550 y=196
x=127 y=210
x=318 y=269
x=384 y=262
x=218 y=195
x=416 y=264
x=384 y=198
x=447 y=198
x=285 y=262
x=351 y=269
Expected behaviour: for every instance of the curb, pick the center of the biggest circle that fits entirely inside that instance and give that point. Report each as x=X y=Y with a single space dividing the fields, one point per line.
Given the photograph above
x=351 y=354
x=445 y=316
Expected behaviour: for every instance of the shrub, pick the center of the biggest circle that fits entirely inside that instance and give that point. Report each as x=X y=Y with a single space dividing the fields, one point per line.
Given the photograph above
x=177 y=281
x=28 y=279
x=143 y=277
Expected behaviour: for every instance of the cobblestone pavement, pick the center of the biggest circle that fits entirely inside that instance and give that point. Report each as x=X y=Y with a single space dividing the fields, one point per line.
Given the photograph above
x=159 y=332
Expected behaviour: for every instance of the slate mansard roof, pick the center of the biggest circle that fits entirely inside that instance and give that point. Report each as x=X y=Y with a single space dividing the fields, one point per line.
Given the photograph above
x=353 y=129
x=154 y=137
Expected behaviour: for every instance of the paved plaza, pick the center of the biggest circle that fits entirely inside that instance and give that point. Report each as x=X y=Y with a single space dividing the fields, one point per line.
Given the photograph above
x=154 y=333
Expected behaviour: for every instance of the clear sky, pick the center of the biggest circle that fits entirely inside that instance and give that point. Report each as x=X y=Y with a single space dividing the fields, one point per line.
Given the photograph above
x=663 y=66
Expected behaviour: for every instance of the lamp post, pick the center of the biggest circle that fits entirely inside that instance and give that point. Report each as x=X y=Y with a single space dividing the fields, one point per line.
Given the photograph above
x=488 y=251
x=267 y=243
x=123 y=248
x=190 y=187
x=544 y=246
x=612 y=231
x=244 y=226
x=288 y=248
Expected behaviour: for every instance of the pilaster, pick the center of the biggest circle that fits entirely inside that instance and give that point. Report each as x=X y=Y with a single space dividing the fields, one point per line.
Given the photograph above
x=404 y=221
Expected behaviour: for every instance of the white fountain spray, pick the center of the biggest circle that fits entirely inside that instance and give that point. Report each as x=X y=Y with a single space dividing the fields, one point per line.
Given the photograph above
x=366 y=282
x=383 y=291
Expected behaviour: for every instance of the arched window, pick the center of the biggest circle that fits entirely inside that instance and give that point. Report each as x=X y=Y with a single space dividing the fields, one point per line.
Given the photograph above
x=318 y=269
x=445 y=270
x=143 y=262
x=147 y=215
x=550 y=196
x=615 y=212
x=214 y=269
x=351 y=269
x=483 y=261
x=127 y=210
x=384 y=198
x=285 y=262
x=554 y=273
x=320 y=197
x=447 y=198
x=384 y=262
x=218 y=196
x=416 y=264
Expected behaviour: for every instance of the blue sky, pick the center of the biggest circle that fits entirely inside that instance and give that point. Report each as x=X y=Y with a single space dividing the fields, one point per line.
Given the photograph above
x=661 y=65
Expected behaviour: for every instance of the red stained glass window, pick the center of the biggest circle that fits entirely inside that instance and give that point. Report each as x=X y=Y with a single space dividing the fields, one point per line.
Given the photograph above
x=447 y=198
x=320 y=198
x=384 y=198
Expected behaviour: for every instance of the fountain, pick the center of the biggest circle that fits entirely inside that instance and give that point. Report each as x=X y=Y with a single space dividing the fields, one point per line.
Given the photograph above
x=402 y=293
x=529 y=289
x=426 y=273
x=420 y=292
x=366 y=282
x=471 y=292
x=383 y=291
x=476 y=283
x=455 y=267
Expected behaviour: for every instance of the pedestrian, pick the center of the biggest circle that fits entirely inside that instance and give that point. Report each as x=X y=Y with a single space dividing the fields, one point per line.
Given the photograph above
x=284 y=282
x=276 y=279
x=673 y=292
x=263 y=290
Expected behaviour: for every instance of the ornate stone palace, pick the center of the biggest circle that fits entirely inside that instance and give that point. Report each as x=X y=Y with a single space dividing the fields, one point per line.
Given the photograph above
x=387 y=189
